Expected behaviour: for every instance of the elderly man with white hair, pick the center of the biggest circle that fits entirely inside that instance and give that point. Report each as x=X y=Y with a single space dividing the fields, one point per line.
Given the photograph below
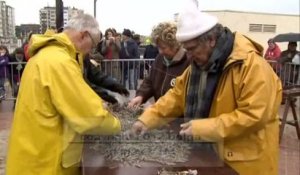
x=55 y=106
x=229 y=94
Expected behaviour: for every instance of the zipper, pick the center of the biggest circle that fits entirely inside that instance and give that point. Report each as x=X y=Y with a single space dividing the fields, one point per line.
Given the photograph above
x=230 y=65
x=162 y=87
x=227 y=68
x=224 y=71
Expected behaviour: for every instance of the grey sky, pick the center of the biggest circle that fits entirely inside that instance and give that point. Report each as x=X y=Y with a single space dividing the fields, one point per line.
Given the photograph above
x=141 y=15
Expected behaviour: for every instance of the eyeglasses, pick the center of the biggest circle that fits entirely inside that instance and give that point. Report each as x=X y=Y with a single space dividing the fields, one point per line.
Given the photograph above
x=94 y=44
x=191 y=49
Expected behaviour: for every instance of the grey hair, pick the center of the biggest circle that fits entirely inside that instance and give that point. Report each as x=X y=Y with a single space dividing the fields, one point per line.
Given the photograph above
x=213 y=33
x=84 y=22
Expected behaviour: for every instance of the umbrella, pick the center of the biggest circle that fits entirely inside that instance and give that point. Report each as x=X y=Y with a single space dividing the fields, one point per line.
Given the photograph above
x=287 y=37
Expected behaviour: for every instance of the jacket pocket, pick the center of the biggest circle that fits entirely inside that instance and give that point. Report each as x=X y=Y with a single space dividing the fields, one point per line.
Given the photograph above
x=72 y=148
x=245 y=148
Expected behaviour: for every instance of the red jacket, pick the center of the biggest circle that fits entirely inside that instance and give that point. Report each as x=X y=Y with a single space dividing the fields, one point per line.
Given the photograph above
x=273 y=54
x=26 y=52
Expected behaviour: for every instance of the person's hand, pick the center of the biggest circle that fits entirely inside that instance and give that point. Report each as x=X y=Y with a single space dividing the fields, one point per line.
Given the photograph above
x=109 y=98
x=107 y=42
x=135 y=102
x=121 y=90
x=105 y=96
x=186 y=129
x=138 y=128
x=112 y=39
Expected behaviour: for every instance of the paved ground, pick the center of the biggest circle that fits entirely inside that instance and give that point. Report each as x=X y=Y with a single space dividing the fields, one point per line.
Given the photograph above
x=5 y=123
x=289 y=148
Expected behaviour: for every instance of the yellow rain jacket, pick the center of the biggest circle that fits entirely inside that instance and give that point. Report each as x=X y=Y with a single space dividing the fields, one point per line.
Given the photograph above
x=243 y=119
x=54 y=108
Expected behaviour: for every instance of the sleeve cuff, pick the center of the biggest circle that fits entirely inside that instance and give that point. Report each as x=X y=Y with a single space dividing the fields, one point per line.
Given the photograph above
x=151 y=122
x=204 y=129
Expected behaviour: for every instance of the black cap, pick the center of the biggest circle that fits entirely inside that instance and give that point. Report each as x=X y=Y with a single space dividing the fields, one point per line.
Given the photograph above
x=292 y=43
x=127 y=32
x=271 y=40
x=19 y=50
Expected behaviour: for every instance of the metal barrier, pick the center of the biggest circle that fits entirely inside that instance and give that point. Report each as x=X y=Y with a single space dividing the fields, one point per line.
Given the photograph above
x=127 y=71
x=13 y=72
x=289 y=73
x=130 y=72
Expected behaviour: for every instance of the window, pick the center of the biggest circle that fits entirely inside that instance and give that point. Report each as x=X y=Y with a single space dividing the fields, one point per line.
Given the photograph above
x=263 y=28
x=269 y=28
x=255 y=27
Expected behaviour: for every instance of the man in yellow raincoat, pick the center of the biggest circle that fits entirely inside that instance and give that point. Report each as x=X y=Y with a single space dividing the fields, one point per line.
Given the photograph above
x=55 y=106
x=229 y=94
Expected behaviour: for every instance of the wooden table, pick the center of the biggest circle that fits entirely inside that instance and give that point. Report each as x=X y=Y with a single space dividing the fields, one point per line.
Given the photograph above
x=204 y=160
x=290 y=95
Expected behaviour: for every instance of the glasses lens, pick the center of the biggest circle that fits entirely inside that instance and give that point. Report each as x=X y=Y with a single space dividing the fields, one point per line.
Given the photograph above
x=94 y=44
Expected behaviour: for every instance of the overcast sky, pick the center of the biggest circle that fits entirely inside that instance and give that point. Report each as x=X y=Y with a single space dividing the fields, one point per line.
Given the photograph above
x=141 y=15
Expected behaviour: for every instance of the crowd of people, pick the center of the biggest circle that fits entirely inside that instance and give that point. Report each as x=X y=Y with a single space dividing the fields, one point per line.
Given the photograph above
x=12 y=72
x=204 y=81
x=112 y=46
x=126 y=45
x=279 y=61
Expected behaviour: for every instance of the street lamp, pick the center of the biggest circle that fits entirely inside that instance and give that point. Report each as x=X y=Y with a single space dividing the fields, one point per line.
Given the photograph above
x=95 y=9
x=59 y=15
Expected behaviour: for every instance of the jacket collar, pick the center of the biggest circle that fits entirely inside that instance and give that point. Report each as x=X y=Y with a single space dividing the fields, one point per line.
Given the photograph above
x=179 y=55
x=242 y=46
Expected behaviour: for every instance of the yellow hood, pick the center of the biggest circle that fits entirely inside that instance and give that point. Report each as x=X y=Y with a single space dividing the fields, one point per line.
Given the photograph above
x=49 y=32
x=39 y=41
x=242 y=46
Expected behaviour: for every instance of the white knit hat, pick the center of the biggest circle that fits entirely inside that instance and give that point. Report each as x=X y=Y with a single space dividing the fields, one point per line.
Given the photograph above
x=193 y=23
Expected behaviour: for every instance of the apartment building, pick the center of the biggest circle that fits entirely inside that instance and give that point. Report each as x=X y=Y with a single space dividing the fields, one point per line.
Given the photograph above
x=7 y=23
x=48 y=16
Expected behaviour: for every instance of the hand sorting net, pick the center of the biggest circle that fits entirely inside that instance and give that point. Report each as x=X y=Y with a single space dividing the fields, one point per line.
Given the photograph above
x=161 y=146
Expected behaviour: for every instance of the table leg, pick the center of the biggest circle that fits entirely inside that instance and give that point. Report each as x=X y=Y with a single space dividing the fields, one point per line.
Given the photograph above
x=283 y=121
x=295 y=119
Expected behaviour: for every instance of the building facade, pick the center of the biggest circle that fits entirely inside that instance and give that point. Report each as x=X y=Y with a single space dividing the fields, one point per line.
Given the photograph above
x=7 y=23
x=23 y=31
x=2 y=17
x=48 y=16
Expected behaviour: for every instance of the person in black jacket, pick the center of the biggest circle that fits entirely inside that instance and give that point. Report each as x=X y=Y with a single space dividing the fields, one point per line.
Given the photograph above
x=151 y=51
x=100 y=82
x=289 y=71
x=18 y=62
x=129 y=50
x=4 y=59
